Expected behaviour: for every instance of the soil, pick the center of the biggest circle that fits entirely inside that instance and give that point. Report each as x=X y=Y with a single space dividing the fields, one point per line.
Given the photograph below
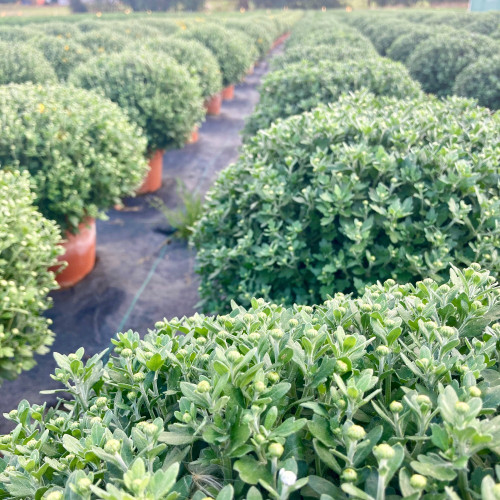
x=142 y=274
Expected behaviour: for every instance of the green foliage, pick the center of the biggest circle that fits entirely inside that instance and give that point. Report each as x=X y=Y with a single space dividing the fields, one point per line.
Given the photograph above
x=156 y=92
x=383 y=33
x=62 y=53
x=261 y=36
x=16 y=34
x=331 y=36
x=102 y=41
x=395 y=393
x=437 y=61
x=81 y=150
x=481 y=80
x=27 y=250
x=20 y=63
x=341 y=51
x=404 y=45
x=302 y=86
x=181 y=219
x=60 y=29
x=191 y=54
x=228 y=47
x=365 y=190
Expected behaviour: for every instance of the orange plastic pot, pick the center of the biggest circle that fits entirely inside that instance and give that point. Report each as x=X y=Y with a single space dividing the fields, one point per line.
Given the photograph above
x=214 y=104
x=228 y=93
x=152 y=182
x=79 y=254
x=194 y=137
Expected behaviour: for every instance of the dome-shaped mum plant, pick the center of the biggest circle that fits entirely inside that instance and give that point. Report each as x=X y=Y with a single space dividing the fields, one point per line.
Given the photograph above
x=193 y=55
x=230 y=50
x=390 y=395
x=157 y=93
x=21 y=62
x=302 y=86
x=366 y=189
x=28 y=247
x=62 y=53
x=81 y=150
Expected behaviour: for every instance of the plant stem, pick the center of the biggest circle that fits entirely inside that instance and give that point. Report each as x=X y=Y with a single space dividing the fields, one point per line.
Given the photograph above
x=381 y=487
x=463 y=483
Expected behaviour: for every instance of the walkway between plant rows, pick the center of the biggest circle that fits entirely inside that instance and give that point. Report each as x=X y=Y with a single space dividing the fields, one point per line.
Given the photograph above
x=141 y=275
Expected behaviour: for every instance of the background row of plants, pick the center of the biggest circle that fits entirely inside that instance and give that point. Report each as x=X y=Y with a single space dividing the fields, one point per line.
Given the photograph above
x=82 y=108
x=447 y=53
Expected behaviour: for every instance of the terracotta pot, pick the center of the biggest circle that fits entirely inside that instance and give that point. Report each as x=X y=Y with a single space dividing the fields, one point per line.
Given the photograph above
x=80 y=254
x=214 y=104
x=194 y=137
x=152 y=182
x=228 y=93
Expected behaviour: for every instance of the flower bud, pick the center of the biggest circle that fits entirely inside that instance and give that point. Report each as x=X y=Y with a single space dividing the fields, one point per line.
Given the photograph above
x=396 y=407
x=418 y=482
x=187 y=418
x=462 y=408
x=31 y=444
x=139 y=377
x=341 y=366
x=13 y=414
x=260 y=439
x=127 y=353
x=276 y=450
x=356 y=432
x=101 y=402
x=423 y=401
x=352 y=392
x=383 y=452
x=287 y=477
x=277 y=333
x=293 y=322
x=112 y=446
x=311 y=333
x=131 y=395
x=83 y=484
x=259 y=387
x=474 y=391
x=203 y=387
x=233 y=356
x=349 y=475
x=496 y=491
x=383 y=350
x=54 y=495
x=273 y=377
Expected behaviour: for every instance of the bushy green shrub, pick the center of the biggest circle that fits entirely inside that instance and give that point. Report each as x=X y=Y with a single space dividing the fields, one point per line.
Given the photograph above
x=485 y=23
x=17 y=34
x=404 y=45
x=193 y=55
x=81 y=150
x=261 y=37
x=394 y=393
x=156 y=92
x=28 y=247
x=365 y=190
x=481 y=80
x=230 y=50
x=60 y=29
x=302 y=86
x=62 y=53
x=20 y=62
x=313 y=54
x=165 y=26
x=331 y=37
x=104 y=40
x=384 y=32
x=437 y=61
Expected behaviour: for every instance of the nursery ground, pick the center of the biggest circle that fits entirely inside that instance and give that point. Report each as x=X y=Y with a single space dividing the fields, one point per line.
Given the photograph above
x=142 y=275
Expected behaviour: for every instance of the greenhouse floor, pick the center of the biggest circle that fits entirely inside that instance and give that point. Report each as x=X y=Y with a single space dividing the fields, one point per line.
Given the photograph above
x=142 y=275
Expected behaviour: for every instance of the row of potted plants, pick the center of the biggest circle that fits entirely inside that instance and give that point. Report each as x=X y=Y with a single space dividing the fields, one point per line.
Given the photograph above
x=164 y=81
x=87 y=142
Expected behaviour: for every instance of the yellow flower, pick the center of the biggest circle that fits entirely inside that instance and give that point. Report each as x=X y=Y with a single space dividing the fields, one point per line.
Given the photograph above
x=41 y=108
x=66 y=48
